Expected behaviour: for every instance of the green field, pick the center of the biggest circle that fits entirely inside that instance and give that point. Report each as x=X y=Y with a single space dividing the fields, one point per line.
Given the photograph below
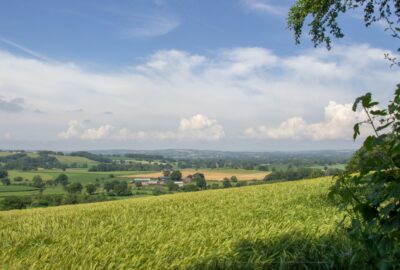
x=75 y=175
x=279 y=226
x=68 y=160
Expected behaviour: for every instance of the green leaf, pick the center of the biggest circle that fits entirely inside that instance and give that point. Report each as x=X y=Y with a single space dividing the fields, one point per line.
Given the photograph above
x=356 y=129
x=369 y=143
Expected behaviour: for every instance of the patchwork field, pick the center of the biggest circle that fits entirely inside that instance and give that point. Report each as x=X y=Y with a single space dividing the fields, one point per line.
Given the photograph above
x=212 y=174
x=278 y=226
x=68 y=160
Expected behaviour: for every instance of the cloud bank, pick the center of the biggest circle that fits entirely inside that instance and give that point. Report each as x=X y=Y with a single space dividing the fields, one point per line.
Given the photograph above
x=198 y=127
x=230 y=96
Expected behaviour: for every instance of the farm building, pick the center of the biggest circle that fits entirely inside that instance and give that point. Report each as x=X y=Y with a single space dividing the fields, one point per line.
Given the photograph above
x=188 y=179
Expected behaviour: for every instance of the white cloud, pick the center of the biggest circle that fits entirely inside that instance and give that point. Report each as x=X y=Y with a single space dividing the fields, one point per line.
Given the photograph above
x=338 y=124
x=74 y=130
x=264 y=6
x=200 y=127
x=97 y=133
x=196 y=128
x=240 y=87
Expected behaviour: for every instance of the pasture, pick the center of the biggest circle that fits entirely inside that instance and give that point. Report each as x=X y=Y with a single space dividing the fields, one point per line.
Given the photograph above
x=212 y=174
x=277 y=226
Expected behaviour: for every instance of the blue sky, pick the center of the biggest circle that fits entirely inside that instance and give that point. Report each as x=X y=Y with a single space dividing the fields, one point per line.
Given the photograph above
x=216 y=74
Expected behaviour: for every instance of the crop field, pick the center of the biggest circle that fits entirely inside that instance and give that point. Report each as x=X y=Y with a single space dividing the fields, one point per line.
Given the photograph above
x=74 y=175
x=277 y=226
x=213 y=174
x=68 y=160
x=17 y=190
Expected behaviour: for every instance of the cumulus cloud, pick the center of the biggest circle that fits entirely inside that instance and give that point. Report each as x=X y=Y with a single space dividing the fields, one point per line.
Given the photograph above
x=338 y=124
x=74 y=130
x=101 y=132
x=198 y=127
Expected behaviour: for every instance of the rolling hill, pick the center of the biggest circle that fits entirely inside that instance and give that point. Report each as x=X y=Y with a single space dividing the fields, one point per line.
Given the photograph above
x=278 y=226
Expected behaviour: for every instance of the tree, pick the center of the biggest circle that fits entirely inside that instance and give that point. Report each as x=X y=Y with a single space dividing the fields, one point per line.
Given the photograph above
x=121 y=188
x=325 y=14
x=166 y=173
x=75 y=187
x=62 y=179
x=226 y=183
x=37 y=181
x=234 y=179
x=3 y=173
x=172 y=186
x=5 y=181
x=90 y=188
x=200 y=180
x=18 y=179
x=370 y=197
x=176 y=175
x=108 y=186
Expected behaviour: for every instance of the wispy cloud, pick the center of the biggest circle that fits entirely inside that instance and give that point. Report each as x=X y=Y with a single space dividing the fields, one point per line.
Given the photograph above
x=26 y=50
x=151 y=26
x=265 y=6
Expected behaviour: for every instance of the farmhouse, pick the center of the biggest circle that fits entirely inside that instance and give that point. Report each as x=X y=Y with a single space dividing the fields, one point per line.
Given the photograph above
x=146 y=181
x=188 y=179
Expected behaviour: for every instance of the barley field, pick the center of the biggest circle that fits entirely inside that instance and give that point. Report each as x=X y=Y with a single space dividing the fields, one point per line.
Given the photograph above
x=278 y=226
x=212 y=174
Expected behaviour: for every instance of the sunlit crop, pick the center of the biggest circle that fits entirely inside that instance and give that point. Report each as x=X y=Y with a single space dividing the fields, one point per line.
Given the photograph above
x=284 y=225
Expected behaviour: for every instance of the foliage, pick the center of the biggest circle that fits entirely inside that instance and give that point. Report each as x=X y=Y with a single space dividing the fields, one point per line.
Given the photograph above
x=15 y=202
x=200 y=180
x=91 y=156
x=131 y=166
x=234 y=179
x=298 y=173
x=91 y=188
x=172 y=186
x=176 y=175
x=226 y=183
x=5 y=181
x=38 y=182
x=61 y=179
x=189 y=188
x=371 y=196
x=3 y=173
x=116 y=187
x=18 y=179
x=75 y=187
x=325 y=15
x=21 y=161
x=279 y=226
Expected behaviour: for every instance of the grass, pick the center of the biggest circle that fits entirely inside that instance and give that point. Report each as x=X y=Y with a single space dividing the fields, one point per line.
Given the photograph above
x=68 y=160
x=74 y=175
x=213 y=174
x=333 y=166
x=14 y=190
x=277 y=226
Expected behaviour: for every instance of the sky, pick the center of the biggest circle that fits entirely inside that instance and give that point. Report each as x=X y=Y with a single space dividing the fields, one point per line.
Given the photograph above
x=218 y=75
